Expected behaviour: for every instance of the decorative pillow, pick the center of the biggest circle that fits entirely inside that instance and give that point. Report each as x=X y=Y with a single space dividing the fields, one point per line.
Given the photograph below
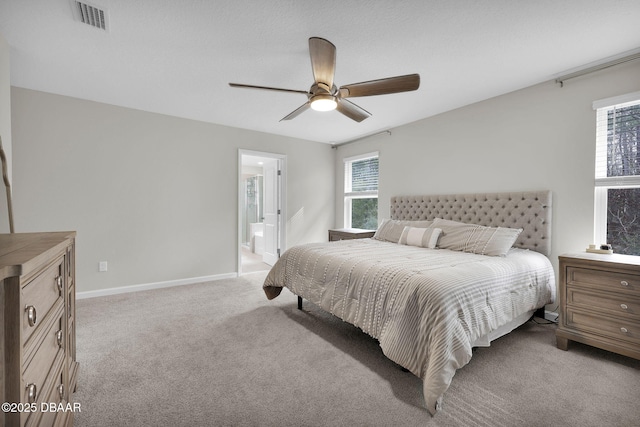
x=421 y=237
x=391 y=229
x=478 y=239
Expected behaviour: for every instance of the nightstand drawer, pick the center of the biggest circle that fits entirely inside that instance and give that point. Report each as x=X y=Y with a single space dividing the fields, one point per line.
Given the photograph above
x=612 y=303
x=603 y=279
x=626 y=330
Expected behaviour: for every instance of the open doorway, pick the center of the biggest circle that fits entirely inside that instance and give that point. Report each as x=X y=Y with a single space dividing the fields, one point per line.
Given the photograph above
x=260 y=210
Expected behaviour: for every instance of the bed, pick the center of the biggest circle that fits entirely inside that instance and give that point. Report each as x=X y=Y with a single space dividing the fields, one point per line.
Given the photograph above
x=429 y=300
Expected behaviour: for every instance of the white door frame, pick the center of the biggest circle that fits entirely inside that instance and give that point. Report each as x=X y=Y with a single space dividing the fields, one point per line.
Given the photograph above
x=271 y=210
x=282 y=187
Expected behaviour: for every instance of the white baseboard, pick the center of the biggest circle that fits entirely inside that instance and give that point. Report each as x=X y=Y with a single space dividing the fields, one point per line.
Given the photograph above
x=157 y=285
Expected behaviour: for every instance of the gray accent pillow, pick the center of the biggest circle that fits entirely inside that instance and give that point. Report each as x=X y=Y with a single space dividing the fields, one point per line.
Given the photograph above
x=391 y=229
x=420 y=237
x=477 y=239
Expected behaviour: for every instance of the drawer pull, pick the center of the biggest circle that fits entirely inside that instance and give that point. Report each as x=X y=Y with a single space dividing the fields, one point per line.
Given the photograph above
x=624 y=306
x=59 y=282
x=624 y=283
x=59 y=338
x=32 y=393
x=31 y=315
x=623 y=330
x=61 y=391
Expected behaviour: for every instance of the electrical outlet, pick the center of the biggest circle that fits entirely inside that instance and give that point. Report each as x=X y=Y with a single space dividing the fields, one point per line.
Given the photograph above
x=103 y=266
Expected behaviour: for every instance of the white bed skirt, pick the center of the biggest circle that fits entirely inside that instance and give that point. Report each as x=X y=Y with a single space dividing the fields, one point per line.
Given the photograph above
x=485 y=341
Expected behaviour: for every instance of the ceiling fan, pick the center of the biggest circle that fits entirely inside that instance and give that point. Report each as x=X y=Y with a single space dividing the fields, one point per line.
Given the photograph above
x=325 y=96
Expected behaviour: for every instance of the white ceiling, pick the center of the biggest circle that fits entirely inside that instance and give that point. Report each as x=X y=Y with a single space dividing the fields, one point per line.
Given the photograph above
x=177 y=57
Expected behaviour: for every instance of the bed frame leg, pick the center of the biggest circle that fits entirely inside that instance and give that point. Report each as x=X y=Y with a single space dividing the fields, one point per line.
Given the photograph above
x=299 y=303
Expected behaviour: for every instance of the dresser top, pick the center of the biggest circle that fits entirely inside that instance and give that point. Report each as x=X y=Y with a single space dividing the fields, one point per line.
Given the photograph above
x=20 y=252
x=605 y=258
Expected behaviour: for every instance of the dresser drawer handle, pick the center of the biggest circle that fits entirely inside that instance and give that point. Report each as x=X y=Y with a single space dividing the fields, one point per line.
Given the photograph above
x=624 y=306
x=61 y=391
x=623 y=330
x=32 y=316
x=624 y=283
x=59 y=338
x=32 y=393
x=59 y=282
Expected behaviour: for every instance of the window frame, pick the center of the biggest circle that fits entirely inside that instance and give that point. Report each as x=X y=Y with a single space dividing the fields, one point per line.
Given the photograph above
x=603 y=183
x=349 y=195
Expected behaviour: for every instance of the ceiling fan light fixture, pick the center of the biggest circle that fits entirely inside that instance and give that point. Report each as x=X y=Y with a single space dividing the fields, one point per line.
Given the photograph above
x=324 y=102
x=323 y=95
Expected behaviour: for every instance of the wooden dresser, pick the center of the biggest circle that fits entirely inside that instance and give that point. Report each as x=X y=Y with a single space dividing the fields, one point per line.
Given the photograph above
x=350 y=233
x=600 y=302
x=37 y=338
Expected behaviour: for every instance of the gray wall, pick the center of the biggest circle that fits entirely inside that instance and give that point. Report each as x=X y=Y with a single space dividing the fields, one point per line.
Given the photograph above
x=155 y=196
x=5 y=127
x=540 y=137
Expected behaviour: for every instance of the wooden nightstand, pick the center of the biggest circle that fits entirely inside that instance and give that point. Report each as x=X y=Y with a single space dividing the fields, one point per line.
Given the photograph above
x=600 y=302
x=350 y=233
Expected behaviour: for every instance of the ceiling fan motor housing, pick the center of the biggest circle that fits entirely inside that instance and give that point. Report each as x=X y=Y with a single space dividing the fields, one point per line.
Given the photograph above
x=322 y=97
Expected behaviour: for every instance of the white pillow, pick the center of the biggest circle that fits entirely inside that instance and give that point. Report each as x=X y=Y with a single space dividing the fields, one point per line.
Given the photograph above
x=420 y=237
x=478 y=239
x=391 y=229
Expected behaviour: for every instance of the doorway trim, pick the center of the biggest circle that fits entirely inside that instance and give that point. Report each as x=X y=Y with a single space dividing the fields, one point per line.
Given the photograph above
x=282 y=200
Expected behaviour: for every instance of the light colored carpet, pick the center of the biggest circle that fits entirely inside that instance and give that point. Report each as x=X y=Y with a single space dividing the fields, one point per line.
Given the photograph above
x=252 y=263
x=220 y=354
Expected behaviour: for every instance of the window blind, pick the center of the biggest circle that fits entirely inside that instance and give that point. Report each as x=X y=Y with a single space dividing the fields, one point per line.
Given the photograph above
x=618 y=144
x=361 y=175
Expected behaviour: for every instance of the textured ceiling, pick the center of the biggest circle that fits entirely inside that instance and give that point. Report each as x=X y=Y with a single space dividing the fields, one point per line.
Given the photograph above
x=176 y=57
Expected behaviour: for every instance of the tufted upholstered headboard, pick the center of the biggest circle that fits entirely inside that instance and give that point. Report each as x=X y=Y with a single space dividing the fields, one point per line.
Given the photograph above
x=529 y=210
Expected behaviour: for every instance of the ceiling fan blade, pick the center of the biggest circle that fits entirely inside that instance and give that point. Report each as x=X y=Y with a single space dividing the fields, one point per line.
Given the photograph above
x=382 y=86
x=304 y=92
x=352 y=111
x=323 y=60
x=295 y=113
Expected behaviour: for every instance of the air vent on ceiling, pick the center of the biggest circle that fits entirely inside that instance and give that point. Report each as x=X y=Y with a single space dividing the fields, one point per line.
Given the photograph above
x=90 y=14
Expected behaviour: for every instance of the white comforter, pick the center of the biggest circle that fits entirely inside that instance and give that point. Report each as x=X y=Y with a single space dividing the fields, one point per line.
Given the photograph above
x=425 y=306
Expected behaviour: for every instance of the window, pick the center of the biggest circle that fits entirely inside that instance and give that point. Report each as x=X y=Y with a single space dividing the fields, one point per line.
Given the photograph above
x=617 y=184
x=361 y=191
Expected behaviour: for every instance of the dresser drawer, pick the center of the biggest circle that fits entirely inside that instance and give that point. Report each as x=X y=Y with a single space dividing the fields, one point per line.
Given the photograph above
x=47 y=414
x=617 y=304
x=611 y=327
x=49 y=406
x=43 y=391
x=48 y=329
x=39 y=296
x=604 y=280
x=39 y=368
